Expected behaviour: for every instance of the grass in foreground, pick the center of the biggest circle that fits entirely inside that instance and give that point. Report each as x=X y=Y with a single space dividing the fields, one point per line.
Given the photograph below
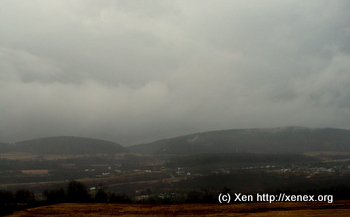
x=338 y=208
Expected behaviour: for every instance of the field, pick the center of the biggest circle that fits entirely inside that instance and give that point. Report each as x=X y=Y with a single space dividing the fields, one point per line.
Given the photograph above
x=338 y=208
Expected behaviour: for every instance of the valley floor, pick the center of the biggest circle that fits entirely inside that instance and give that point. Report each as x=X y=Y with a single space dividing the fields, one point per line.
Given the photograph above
x=338 y=208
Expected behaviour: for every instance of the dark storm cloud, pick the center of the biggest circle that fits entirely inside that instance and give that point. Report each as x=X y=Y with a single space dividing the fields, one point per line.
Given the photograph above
x=131 y=71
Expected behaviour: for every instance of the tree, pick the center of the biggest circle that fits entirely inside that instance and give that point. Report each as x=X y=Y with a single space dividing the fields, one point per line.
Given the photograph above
x=208 y=196
x=24 y=196
x=101 y=196
x=119 y=198
x=193 y=197
x=6 y=197
x=77 y=192
x=55 y=196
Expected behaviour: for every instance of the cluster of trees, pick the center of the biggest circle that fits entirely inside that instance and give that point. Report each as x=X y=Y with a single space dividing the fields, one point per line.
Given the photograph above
x=20 y=196
x=77 y=193
x=10 y=201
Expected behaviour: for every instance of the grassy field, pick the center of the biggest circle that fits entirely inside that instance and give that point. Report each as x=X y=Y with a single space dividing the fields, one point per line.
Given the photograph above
x=338 y=208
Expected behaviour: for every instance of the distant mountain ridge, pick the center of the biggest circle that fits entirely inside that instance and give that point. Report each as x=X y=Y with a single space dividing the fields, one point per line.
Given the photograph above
x=283 y=140
x=64 y=145
x=261 y=140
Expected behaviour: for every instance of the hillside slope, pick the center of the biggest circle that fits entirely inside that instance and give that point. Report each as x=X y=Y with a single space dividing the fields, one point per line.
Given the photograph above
x=68 y=145
x=272 y=140
x=5 y=147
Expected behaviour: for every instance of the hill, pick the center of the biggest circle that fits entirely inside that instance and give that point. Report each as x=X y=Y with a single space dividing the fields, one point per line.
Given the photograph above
x=5 y=147
x=67 y=145
x=295 y=140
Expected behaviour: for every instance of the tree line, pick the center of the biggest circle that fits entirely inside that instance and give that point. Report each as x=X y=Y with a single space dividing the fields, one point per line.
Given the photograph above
x=77 y=192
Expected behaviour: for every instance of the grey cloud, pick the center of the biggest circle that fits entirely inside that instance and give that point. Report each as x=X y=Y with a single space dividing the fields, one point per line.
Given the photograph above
x=133 y=72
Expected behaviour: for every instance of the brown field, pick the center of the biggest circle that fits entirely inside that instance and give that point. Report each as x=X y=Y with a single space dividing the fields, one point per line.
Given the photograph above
x=35 y=172
x=328 y=156
x=338 y=208
x=327 y=153
x=18 y=156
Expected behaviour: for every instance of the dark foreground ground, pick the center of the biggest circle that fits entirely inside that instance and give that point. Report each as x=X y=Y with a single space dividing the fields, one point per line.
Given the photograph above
x=338 y=208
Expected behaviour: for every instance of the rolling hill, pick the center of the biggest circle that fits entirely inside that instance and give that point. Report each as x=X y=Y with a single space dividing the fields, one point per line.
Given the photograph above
x=65 y=145
x=5 y=147
x=294 y=140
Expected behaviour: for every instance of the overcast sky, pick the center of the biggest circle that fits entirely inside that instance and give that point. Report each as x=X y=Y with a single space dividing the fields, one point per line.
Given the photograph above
x=137 y=71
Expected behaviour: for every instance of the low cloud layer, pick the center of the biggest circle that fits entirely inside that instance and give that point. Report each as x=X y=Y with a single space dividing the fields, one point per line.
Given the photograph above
x=133 y=72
